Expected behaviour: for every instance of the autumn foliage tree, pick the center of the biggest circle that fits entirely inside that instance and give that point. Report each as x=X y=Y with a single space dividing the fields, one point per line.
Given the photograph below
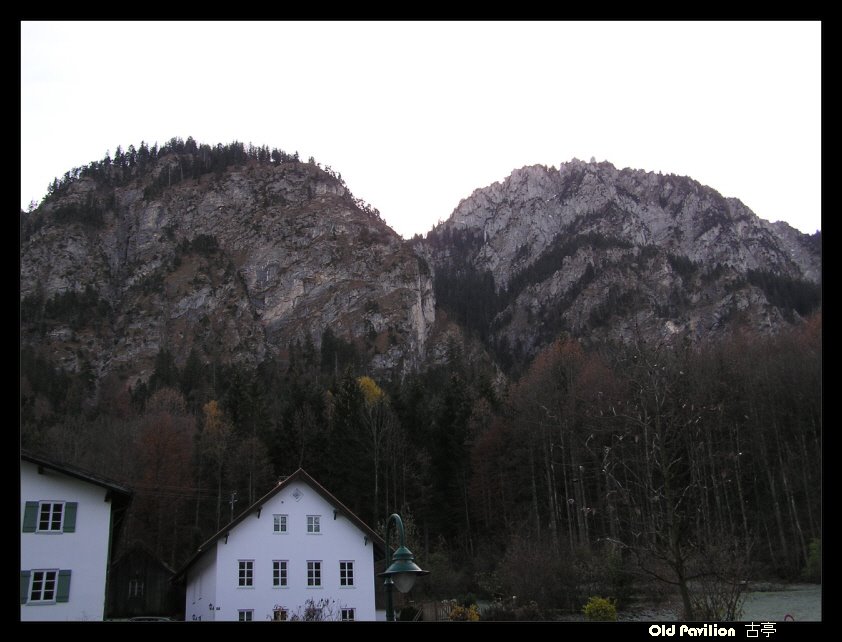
x=677 y=468
x=686 y=465
x=163 y=471
x=216 y=440
x=379 y=421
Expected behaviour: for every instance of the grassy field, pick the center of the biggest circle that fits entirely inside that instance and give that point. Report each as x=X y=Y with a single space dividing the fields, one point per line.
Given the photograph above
x=802 y=601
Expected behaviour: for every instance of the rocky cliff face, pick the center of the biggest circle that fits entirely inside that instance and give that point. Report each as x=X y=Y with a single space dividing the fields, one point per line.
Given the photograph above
x=239 y=262
x=605 y=253
x=235 y=264
x=522 y=216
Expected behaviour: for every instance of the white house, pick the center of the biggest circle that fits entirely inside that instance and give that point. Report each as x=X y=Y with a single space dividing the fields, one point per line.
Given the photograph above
x=295 y=546
x=68 y=517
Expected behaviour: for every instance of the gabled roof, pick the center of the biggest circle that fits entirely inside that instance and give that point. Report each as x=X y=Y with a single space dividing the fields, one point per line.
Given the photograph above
x=298 y=475
x=137 y=547
x=120 y=494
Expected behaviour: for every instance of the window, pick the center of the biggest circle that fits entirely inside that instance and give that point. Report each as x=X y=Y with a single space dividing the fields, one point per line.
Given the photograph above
x=347 y=615
x=280 y=615
x=43 y=587
x=50 y=517
x=245 y=615
x=279 y=573
x=246 y=575
x=279 y=523
x=313 y=524
x=346 y=573
x=314 y=574
x=135 y=588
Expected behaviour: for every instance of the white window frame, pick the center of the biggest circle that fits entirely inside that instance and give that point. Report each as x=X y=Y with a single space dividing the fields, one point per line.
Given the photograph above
x=280 y=611
x=280 y=523
x=43 y=580
x=245 y=573
x=314 y=524
x=314 y=574
x=346 y=574
x=344 y=613
x=245 y=615
x=50 y=521
x=280 y=573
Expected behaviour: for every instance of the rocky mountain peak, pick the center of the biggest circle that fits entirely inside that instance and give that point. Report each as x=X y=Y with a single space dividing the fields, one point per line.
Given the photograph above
x=236 y=262
x=596 y=251
x=236 y=254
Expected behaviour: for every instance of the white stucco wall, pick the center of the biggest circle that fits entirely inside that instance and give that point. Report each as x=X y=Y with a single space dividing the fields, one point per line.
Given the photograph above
x=201 y=589
x=84 y=552
x=254 y=539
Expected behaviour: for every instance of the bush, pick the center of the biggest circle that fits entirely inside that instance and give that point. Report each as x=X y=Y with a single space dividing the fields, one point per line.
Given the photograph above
x=464 y=614
x=528 y=573
x=446 y=578
x=511 y=611
x=205 y=244
x=719 y=592
x=408 y=614
x=813 y=568
x=600 y=609
x=90 y=213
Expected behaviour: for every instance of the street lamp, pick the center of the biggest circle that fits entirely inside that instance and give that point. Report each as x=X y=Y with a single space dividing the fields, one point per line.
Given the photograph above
x=401 y=569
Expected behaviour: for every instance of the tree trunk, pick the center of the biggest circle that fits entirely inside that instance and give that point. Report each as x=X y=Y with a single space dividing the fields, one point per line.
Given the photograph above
x=534 y=492
x=219 y=499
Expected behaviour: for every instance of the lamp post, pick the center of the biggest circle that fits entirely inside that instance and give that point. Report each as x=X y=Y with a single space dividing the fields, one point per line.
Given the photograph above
x=401 y=569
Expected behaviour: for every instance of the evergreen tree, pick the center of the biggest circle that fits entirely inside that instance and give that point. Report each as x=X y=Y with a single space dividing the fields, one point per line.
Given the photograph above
x=165 y=374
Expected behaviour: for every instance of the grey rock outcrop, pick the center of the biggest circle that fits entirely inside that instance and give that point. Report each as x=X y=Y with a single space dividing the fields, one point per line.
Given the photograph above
x=236 y=266
x=239 y=264
x=535 y=204
x=602 y=253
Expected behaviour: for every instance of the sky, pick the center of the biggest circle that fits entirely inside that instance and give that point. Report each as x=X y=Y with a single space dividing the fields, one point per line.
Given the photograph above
x=418 y=115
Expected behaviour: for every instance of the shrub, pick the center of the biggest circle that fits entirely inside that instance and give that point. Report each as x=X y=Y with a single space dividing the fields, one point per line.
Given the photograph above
x=527 y=572
x=511 y=611
x=409 y=614
x=600 y=609
x=719 y=592
x=813 y=568
x=205 y=244
x=464 y=613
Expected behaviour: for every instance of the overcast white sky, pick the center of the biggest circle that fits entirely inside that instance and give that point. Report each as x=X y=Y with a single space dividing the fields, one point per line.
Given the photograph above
x=415 y=116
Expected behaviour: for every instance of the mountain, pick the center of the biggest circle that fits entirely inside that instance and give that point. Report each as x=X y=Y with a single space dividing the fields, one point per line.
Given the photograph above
x=235 y=254
x=606 y=254
x=234 y=259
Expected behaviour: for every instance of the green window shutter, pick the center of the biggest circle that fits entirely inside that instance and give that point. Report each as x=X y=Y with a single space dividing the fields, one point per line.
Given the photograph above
x=30 y=517
x=63 y=588
x=24 y=586
x=70 y=517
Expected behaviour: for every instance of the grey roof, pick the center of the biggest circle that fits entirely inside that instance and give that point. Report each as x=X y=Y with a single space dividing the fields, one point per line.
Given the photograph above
x=119 y=491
